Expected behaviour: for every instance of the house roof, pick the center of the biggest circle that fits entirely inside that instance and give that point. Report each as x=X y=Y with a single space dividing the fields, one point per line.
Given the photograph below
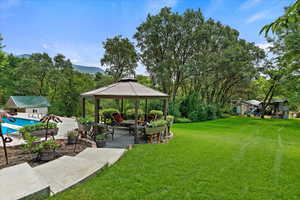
x=126 y=88
x=27 y=102
x=253 y=102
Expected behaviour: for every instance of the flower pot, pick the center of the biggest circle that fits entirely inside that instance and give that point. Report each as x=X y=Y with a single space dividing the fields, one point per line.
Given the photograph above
x=72 y=139
x=100 y=143
x=46 y=155
x=42 y=133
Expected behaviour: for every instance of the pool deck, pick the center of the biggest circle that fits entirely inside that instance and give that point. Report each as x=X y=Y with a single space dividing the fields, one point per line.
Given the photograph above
x=67 y=124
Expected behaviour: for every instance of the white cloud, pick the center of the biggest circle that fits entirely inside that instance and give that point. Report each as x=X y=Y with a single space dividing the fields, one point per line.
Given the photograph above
x=154 y=6
x=5 y=4
x=249 y=4
x=258 y=16
x=265 y=46
x=45 y=46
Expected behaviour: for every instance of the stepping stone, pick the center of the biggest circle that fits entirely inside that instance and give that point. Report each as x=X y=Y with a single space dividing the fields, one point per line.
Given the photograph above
x=67 y=171
x=22 y=182
x=102 y=155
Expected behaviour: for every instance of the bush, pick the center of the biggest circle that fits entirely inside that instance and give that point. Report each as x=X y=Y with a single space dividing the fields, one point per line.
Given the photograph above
x=31 y=143
x=84 y=121
x=157 y=123
x=211 y=112
x=174 y=109
x=72 y=133
x=158 y=113
x=170 y=119
x=107 y=113
x=182 y=120
x=36 y=127
x=130 y=113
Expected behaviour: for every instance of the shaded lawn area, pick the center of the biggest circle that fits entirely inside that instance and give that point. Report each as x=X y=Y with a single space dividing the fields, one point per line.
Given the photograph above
x=235 y=158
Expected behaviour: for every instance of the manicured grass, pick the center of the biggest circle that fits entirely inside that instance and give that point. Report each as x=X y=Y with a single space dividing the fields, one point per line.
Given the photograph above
x=235 y=158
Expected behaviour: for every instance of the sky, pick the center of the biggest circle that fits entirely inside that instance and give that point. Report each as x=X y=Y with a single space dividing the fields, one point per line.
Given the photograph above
x=77 y=28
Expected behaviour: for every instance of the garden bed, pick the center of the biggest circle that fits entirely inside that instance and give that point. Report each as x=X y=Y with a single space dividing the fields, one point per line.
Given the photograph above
x=16 y=155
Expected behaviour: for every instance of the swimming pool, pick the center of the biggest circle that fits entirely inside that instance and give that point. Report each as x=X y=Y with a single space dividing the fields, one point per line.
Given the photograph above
x=18 y=122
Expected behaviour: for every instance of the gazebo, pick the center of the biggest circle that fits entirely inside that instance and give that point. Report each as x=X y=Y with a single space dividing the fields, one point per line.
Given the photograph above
x=127 y=88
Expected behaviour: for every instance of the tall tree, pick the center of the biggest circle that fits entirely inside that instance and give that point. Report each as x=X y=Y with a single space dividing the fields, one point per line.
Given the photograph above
x=120 y=57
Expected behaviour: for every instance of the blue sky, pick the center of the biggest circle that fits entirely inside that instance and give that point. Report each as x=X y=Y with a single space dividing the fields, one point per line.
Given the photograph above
x=77 y=28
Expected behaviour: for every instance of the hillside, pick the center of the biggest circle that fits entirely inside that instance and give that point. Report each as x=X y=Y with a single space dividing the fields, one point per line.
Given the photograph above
x=87 y=69
x=79 y=68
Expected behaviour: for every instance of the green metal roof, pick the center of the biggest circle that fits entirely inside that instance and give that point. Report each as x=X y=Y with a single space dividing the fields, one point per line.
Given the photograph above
x=28 y=102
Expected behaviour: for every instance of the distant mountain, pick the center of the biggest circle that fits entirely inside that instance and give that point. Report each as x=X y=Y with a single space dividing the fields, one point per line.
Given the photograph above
x=24 y=56
x=88 y=69
x=79 y=68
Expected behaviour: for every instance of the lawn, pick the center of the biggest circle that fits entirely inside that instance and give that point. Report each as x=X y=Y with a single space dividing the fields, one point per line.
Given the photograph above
x=234 y=158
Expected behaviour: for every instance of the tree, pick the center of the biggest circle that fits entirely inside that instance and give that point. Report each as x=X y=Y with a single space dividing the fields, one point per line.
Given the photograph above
x=120 y=57
x=188 y=54
x=290 y=18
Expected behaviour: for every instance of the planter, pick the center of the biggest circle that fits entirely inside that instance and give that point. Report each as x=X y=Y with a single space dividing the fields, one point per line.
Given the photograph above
x=46 y=155
x=72 y=139
x=84 y=127
x=42 y=133
x=100 y=143
x=152 y=131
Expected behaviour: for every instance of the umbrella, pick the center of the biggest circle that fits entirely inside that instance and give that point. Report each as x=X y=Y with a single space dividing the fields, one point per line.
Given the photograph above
x=47 y=118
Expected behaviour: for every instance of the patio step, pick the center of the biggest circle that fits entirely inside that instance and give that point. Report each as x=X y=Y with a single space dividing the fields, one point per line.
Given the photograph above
x=101 y=155
x=22 y=182
x=67 y=171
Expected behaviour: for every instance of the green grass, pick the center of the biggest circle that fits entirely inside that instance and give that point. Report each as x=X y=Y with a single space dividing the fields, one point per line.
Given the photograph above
x=235 y=158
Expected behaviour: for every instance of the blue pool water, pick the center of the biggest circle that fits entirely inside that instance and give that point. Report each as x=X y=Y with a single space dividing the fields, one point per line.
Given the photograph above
x=18 y=122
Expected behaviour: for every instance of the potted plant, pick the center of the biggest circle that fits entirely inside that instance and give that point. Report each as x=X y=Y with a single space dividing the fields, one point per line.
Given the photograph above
x=100 y=140
x=40 y=129
x=72 y=137
x=84 y=125
x=47 y=150
x=31 y=145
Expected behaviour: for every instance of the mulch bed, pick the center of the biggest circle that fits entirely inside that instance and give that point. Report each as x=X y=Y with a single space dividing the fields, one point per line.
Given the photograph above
x=17 y=156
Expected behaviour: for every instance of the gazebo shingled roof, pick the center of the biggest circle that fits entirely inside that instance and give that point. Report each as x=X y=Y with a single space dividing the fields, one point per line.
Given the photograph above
x=126 y=88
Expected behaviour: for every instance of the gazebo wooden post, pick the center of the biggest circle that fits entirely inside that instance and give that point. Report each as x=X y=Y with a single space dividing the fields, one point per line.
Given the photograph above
x=146 y=109
x=83 y=107
x=166 y=132
x=122 y=107
x=136 y=107
x=96 y=114
x=165 y=108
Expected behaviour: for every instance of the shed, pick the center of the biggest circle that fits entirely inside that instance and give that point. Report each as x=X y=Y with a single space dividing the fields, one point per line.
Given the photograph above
x=28 y=104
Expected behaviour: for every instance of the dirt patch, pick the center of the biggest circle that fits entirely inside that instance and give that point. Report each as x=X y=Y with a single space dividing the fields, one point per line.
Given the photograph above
x=16 y=155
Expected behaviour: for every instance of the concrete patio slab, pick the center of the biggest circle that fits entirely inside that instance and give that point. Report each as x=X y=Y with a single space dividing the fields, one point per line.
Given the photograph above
x=102 y=155
x=67 y=171
x=22 y=182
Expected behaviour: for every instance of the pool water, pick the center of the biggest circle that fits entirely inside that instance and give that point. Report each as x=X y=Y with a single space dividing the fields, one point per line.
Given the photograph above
x=6 y=130
x=18 y=122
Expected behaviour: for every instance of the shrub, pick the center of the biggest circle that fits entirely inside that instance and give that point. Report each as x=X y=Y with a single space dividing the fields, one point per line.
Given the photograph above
x=49 y=145
x=174 y=109
x=84 y=121
x=157 y=123
x=170 y=119
x=36 y=127
x=107 y=113
x=130 y=113
x=72 y=133
x=31 y=143
x=211 y=112
x=158 y=113
x=100 y=137
x=182 y=120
